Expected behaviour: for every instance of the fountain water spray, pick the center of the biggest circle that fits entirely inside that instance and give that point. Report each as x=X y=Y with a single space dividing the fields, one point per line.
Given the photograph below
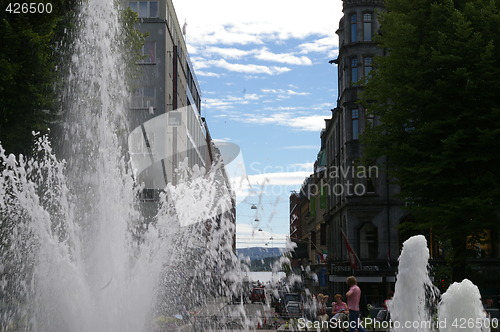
x=415 y=304
x=414 y=293
x=76 y=255
x=461 y=309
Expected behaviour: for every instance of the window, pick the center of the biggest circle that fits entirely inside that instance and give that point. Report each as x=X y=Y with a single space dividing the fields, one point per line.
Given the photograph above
x=149 y=194
x=354 y=70
x=368 y=241
x=313 y=241
x=354 y=28
x=153 y=9
x=143 y=98
x=138 y=145
x=148 y=52
x=367 y=66
x=322 y=234
x=312 y=205
x=136 y=142
x=133 y=6
x=367 y=27
x=144 y=8
x=369 y=119
x=355 y=123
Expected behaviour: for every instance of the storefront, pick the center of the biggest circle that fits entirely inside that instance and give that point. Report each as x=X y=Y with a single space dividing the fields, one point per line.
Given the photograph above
x=375 y=282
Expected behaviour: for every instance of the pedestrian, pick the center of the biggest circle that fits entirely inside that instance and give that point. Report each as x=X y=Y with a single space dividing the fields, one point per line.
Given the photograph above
x=388 y=300
x=310 y=306
x=353 y=297
x=383 y=315
x=322 y=316
x=339 y=308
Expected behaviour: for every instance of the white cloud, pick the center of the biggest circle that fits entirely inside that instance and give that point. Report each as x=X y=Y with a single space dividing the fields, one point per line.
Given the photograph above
x=199 y=63
x=252 y=96
x=285 y=92
x=229 y=102
x=207 y=73
x=279 y=178
x=270 y=90
x=245 y=99
x=308 y=123
x=222 y=34
x=240 y=22
x=306 y=166
x=288 y=58
x=240 y=68
x=295 y=93
x=276 y=183
x=301 y=123
x=322 y=45
x=214 y=103
x=322 y=106
x=232 y=53
x=191 y=49
x=283 y=108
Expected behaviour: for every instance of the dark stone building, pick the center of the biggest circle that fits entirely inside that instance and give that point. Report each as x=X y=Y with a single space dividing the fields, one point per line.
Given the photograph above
x=362 y=208
x=359 y=226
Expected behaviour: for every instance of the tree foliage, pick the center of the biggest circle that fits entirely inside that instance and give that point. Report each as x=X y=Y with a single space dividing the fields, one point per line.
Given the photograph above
x=33 y=49
x=133 y=41
x=28 y=57
x=435 y=95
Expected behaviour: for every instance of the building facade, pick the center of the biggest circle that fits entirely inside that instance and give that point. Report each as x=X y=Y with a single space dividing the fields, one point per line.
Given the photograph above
x=165 y=104
x=359 y=226
x=353 y=204
x=363 y=212
x=167 y=128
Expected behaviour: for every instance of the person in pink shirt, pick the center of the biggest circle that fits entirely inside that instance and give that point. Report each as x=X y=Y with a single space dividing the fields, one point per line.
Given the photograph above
x=339 y=308
x=353 y=297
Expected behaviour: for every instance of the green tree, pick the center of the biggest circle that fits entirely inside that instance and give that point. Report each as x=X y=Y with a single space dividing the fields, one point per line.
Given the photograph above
x=435 y=93
x=28 y=58
x=133 y=41
x=33 y=49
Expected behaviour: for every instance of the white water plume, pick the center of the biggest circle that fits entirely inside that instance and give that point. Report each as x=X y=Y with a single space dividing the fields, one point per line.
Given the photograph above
x=461 y=309
x=414 y=292
x=76 y=254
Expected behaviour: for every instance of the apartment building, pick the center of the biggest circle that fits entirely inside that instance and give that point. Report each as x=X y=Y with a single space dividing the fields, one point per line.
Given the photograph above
x=165 y=107
x=360 y=224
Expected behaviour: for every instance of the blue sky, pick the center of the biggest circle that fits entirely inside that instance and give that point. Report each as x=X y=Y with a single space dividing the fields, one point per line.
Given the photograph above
x=266 y=86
